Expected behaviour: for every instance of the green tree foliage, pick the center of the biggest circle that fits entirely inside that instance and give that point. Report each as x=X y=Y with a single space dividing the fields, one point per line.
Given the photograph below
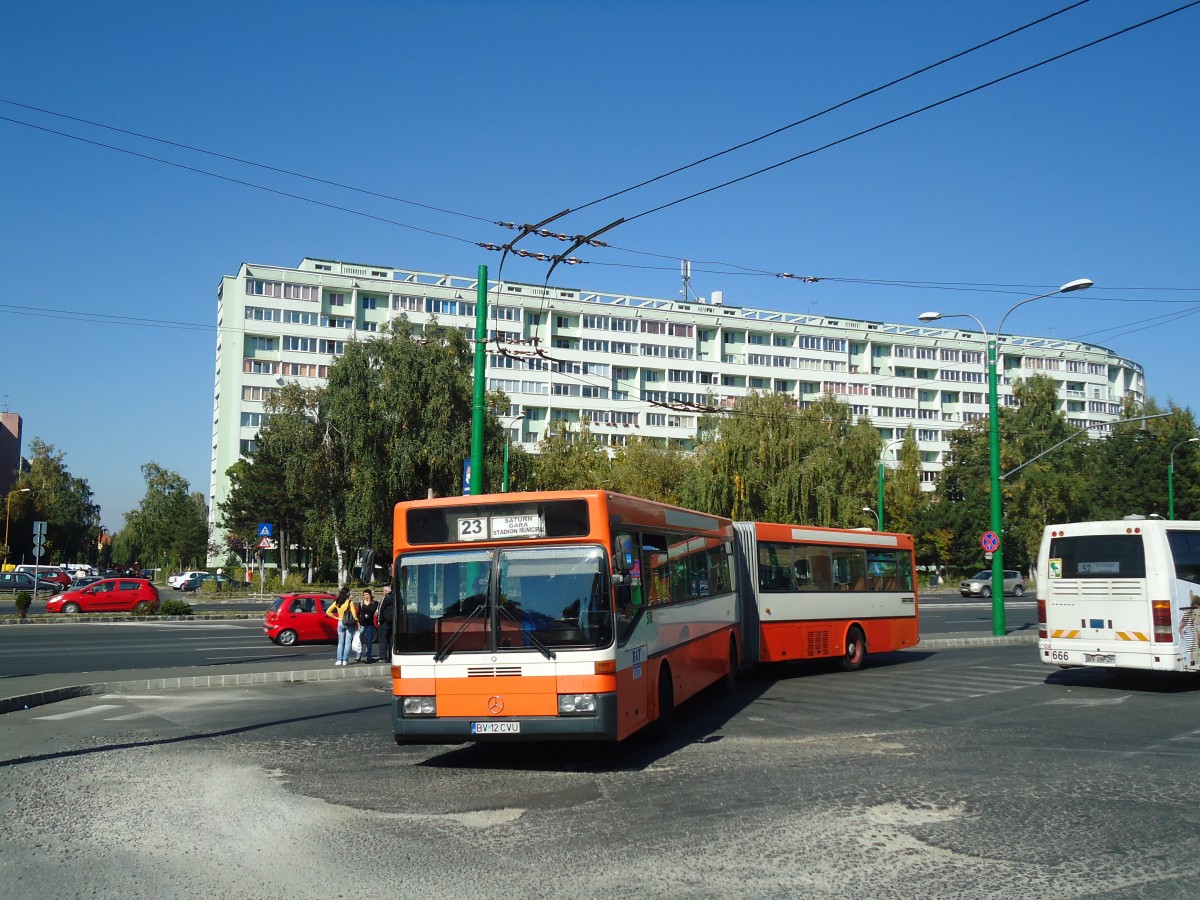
x=644 y=469
x=58 y=498
x=170 y=526
x=572 y=460
x=277 y=484
x=770 y=461
x=392 y=423
x=904 y=501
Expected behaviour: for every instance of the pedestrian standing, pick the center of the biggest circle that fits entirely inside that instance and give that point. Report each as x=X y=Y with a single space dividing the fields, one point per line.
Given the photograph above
x=367 y=609
x=343 y=610
x=387 y=611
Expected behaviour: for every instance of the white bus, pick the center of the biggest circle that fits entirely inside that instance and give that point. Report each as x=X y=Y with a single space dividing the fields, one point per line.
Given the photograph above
x=1120 y=595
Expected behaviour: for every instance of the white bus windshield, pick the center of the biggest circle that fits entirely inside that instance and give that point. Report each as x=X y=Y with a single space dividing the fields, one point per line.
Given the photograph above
x=496 y=600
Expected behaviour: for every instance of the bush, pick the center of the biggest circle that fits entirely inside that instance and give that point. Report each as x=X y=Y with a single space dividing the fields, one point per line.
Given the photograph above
x=22 y=601
x=174 y=608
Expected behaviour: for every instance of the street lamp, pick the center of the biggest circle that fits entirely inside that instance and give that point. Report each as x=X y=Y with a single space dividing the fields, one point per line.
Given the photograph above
x=882 y=454
x=8 y=514
x=870 y=512
x=507 y=441
x=997 y=522
x=1171 y=478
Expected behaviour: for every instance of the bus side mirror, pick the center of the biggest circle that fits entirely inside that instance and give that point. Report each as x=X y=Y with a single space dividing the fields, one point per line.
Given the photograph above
x=623 y=557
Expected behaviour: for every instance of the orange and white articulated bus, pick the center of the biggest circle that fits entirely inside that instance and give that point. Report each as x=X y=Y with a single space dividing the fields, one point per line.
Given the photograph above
x=556 y=615
x=811 y=593
x=1121 y=594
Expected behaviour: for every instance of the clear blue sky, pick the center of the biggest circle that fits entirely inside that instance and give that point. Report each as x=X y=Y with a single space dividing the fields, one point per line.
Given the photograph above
x=1086 y=167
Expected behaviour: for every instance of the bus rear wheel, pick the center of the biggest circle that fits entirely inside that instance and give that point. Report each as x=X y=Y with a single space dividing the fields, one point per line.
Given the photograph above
x=856 y=650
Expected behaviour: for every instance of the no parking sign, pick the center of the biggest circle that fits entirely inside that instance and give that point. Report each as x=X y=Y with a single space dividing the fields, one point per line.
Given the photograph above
x=990 y=541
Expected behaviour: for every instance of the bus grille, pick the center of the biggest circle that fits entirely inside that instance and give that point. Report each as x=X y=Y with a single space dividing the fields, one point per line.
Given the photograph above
x=818 y=643
x=1115 y=589
x=492 y=671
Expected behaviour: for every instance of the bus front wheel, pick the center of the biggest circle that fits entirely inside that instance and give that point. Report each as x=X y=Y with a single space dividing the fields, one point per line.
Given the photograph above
x=856 y=650
x=666 y=704
x=729 y=682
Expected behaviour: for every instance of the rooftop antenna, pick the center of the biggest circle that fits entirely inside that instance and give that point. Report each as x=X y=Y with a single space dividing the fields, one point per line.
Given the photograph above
x=685 y=272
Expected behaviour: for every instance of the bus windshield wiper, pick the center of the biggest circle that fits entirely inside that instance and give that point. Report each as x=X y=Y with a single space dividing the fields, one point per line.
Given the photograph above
x=441 y=655
x=546 y=651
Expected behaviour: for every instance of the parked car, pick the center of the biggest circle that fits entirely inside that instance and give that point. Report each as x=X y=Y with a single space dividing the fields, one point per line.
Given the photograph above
x=47 y=573
x=300 y=617
x=14 y=582
x=223 y=583
x=81 y=581
x=135 y=595
x=981 y=585
x=180 y=577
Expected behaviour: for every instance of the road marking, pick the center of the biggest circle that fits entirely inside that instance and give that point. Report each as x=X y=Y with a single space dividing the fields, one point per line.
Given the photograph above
x=80 y=712
x=126 y=717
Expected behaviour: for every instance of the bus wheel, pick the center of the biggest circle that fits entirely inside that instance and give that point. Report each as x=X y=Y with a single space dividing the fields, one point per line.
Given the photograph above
x=729 y=682
x=856 y=650
x=666 y=704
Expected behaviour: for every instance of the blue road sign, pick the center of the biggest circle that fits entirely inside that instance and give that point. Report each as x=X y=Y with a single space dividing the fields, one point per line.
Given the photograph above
x=266 y=529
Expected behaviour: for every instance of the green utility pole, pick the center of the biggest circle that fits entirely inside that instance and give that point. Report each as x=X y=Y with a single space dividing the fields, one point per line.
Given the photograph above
x=479 y=401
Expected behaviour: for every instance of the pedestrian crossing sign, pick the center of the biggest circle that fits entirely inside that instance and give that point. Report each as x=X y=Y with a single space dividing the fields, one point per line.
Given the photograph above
x=265 y=529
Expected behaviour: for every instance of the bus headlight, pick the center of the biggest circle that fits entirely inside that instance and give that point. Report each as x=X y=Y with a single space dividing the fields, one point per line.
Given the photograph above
x=576 y=704
x=420 y=706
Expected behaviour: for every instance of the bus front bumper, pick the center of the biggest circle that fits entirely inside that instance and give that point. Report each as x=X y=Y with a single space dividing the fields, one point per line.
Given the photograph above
x=602 y=726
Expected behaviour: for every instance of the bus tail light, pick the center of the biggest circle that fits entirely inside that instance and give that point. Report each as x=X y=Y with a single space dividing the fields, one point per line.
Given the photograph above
x=606 y=667
x=1162 y=621
x=420 y=706
x=1041 y=611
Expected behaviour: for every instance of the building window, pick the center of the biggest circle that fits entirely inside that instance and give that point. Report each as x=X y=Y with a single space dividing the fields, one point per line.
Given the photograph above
x=254 y=342
x=259 y=314
x=338 y=299
x=301 y=292
x=295 y=317
x=368 y=302
x=258 y=288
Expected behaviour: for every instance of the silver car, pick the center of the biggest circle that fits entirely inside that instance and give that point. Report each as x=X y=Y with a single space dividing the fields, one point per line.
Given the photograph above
x=981 y=585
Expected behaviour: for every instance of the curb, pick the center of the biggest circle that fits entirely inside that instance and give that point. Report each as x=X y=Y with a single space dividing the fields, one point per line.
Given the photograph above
x=988 y=641
x=68 y=692
x=87 y=618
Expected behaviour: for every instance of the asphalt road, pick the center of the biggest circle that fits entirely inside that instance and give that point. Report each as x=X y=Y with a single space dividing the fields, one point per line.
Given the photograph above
x=958 y=773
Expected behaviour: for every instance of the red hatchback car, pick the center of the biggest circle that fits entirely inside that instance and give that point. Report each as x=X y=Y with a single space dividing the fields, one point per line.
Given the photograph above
x=128 y=595
x=300 y=617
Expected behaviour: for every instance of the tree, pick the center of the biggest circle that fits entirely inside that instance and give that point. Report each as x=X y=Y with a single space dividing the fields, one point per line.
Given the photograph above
x=394 y=423
x=643 y=469
x=277 y=484
x=770 y=461
x=61 y=500
x=170 y=525
x=572 y=460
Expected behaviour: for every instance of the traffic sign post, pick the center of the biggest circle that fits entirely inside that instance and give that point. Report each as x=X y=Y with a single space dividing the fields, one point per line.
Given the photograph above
x=265 y=531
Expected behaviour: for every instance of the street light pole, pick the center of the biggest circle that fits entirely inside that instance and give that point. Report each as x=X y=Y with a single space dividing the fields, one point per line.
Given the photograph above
x=8 y=514
x=997 y=512
x=1171 y=478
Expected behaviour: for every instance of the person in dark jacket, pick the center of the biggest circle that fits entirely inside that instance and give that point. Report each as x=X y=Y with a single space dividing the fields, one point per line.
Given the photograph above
x=367 y=608
x=387 y=613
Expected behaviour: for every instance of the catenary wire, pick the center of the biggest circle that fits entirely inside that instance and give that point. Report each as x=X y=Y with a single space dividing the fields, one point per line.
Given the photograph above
x=830 y=109
x=912 y=113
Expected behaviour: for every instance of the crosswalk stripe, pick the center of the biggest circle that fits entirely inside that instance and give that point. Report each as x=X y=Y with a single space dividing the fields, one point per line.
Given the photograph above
x=91 y=710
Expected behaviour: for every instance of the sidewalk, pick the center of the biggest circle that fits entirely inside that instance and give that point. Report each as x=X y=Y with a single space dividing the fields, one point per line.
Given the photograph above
x=28 y=691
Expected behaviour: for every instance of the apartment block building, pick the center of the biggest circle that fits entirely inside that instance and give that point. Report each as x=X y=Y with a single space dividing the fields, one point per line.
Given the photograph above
x=634 y=366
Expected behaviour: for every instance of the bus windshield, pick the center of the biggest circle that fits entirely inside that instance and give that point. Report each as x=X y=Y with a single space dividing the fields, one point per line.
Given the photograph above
x=512 y=599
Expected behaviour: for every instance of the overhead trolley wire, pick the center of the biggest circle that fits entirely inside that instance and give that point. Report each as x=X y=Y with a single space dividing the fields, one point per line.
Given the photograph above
x=834 y=108
x=915 y=112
